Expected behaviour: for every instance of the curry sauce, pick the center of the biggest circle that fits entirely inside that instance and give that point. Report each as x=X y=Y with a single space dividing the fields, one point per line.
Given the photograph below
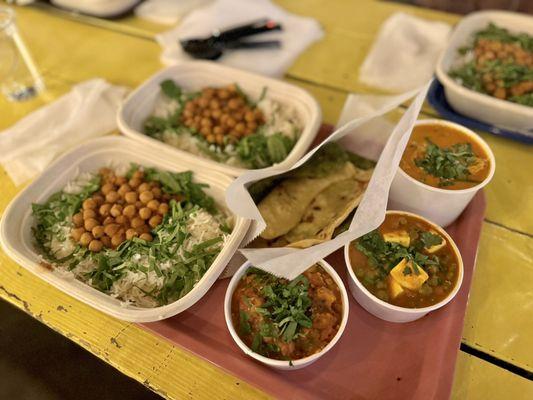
x=444 y=157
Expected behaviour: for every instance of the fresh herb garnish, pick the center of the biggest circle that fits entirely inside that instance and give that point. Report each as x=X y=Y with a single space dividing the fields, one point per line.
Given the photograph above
x=260 y=151
x=449 y=164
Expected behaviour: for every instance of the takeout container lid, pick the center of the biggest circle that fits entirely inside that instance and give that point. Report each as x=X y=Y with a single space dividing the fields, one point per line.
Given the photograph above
x=390 y=312
x=17 y=241
x=469 y=102
x=194 y=75
x=280 y=364
x=441 y=206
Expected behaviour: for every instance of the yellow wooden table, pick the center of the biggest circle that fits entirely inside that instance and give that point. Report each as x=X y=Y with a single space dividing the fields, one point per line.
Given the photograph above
x=498 y=321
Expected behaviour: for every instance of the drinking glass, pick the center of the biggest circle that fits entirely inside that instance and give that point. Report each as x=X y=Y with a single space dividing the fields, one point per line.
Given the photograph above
x=19 y=78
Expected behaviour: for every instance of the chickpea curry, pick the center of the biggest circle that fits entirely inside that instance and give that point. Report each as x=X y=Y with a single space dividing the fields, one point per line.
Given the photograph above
x=145 y=238
x=405 y=262
x=225 y=125
x=444 y=157
x=287 y=320
x=498 y=63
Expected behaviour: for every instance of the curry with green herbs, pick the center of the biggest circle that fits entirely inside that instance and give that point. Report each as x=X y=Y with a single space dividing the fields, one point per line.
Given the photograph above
x=444 y=157
x=405 y=262
x=287 y=320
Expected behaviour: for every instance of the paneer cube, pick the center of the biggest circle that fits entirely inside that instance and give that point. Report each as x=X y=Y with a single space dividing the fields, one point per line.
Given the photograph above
x=395 y=289
x=400 y=237
x=409 y=275
x=436 y=247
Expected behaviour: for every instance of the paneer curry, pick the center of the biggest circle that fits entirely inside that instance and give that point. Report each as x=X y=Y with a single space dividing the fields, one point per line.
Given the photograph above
x=405 y=262
x=444 y=157
x=287 y=320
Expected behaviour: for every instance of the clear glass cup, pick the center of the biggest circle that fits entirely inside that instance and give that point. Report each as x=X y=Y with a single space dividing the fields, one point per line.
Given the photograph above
x=19 y=78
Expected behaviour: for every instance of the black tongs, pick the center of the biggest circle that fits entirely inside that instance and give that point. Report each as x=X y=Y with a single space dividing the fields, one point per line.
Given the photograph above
x=212 y=47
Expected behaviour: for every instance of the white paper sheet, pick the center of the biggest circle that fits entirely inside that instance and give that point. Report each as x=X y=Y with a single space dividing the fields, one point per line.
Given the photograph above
x=359 y=135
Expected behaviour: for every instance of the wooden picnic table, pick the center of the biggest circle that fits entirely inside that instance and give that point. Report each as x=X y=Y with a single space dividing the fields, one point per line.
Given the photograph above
x=496 y=356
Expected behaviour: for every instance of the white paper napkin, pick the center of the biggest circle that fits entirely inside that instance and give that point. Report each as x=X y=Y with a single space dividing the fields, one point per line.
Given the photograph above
x=167 y=12
x=87 y=111
x=298 y=33
x=405 y=53
x=358 y=134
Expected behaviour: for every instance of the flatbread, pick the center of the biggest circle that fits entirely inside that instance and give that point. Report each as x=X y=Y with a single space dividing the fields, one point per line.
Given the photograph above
x=327 y=211
x=283 y=208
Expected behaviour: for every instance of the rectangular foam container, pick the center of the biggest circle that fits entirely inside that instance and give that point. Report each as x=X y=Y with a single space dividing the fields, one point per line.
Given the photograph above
x=15 y=225
x=195 y=75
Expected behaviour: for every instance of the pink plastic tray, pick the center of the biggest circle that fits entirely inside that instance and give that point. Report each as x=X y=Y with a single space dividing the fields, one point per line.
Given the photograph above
x=374 y=359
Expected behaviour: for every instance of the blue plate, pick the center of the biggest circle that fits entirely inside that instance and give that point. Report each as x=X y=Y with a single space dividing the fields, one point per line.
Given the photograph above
x=438 y=101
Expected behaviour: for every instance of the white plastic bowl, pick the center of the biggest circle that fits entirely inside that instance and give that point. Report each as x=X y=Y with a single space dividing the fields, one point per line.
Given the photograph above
x=389 y=312
x=279 y=364
x=480 y=106
x=194 y=75
x=16 y=223
x=442 y=206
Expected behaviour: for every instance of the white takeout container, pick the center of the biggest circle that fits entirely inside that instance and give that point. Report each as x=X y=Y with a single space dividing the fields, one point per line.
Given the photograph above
x=442 y=206
x=280 y=364
x=483 y=107
x=195 y=75
x=17 y=241
x=390 y=312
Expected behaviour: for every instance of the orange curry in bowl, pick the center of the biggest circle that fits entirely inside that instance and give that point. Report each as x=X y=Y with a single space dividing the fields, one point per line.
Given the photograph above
x=405 y=262
x=286 y=320
x=445 y=157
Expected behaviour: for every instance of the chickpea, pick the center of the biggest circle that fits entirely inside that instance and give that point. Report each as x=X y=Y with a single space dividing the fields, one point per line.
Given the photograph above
x=142 y=229
x=214 y=104
x=163 y=209
x=134 y=182
x=106 y=241
x=76 y=233
x=252 y=126
x=136 y=222
x=138 y=174
x=131 y=233
x=217 y=130
x=187 y=113
x=90 y=223
x=98 y=231
x=105 y=171
x=99 y=199
x=108 y=220
x=89 y=204
x=146 y=236
x=219 y=139
x=206 y=122
x=111 y=229
x=156 y=191
x=129 y=211
x=120 y=180
x=86 y=238
x=205 y=131
x=146 y=196
x=223 y=94
x=145 y=213
x=117 y=239
x=131 y=197
x=143 y=187
x=240 y=128
x=106 y=188
x=77 y=219
x=249 y=116
x=89 y=214
x=123 y=189
x=104 y=209
x=203 y=102
x=155 y=221
x=153 y=204
x=122 y=220
x=112 y=197
x=139 y=204
x=95 y=245
x=210 y=138
x=230 y=123
x=116 y=210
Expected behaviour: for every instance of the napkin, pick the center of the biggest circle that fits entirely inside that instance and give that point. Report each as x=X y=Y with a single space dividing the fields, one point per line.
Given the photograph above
x=87 y=111
x=167 y=12
x=298 y=33
x=405 y=53
x=358 y=134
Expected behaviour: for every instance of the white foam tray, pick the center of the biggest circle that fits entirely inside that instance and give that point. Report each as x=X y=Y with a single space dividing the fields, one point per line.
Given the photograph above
x=483 y=107
x=15 y=225
x=195 y=75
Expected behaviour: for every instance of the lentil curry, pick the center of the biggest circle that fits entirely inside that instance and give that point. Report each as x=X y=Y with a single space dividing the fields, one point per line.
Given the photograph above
x=444 y=157
x=405 y=262
x=287 y=320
